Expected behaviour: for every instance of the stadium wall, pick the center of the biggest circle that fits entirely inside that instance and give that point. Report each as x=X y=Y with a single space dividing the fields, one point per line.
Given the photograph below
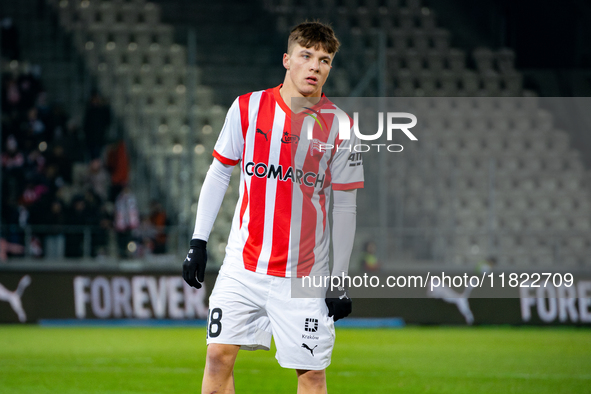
x=103 y=295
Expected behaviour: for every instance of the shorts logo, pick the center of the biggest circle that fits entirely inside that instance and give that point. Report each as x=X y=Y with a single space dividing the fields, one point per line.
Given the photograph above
x=310 y=349
x=311 y=325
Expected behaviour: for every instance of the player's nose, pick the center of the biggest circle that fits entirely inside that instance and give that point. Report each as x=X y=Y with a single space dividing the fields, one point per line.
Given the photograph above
x=315 y=64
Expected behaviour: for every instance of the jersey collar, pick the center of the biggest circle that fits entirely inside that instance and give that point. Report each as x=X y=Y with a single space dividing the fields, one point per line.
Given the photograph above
x=286 y=108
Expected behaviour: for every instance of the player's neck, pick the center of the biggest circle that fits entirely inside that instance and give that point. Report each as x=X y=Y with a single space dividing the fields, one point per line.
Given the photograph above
x=288 y=91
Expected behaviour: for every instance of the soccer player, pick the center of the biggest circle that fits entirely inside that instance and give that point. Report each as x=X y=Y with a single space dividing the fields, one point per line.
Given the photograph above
x=280 y=229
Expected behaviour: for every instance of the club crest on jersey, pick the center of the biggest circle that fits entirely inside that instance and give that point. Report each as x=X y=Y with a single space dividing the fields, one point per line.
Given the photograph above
x=315 y=147
x=290 y=138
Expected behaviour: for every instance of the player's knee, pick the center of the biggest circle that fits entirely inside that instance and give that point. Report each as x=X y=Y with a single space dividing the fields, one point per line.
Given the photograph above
x=312 y=379
x=220 y=358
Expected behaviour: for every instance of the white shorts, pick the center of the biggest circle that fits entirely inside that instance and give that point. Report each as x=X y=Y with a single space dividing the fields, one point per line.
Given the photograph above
x=248 y=308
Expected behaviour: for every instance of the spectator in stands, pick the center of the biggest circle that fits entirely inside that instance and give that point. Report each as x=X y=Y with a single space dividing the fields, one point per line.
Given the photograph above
x=100 y=238
x=77 y=217
x=10 y=40
x=97 y=120
x=370 y=262
x=57 y=125
x=32 y=131
x=118 y=166
x=44 y=110
x=11 y=96
x=67 y=134
x=486 y=265
x=158 y=220
x=61 y=160
x=32 y=194
x=144 y=236
x=126 y=219
x=13 y=162
x=37 y=175
x=14 y=217
x=53 y=180
x=55 y=219
x=35 y=164
x=9 y=248
x=97 y=178
x=94 y=215
x=29 y=86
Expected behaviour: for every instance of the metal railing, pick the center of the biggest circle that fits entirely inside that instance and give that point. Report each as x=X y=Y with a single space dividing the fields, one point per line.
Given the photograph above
x=59 y=243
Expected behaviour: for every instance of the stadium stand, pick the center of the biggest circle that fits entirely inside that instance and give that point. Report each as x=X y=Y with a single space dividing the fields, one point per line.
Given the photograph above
x=540 y=195
x=155 y=93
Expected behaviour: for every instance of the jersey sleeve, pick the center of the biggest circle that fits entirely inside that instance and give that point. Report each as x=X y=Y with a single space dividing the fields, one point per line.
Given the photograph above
x=347 y=165
x=230 y=144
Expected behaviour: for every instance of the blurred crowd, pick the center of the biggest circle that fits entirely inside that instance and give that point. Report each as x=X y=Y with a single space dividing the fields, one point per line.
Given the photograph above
x=65 y=183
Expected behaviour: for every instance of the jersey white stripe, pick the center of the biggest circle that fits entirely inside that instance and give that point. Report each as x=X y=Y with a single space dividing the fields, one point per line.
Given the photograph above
x=234 y=249
x=298 y=198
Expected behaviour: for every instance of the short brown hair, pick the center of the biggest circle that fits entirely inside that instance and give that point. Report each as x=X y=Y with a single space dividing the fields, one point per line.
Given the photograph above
x=313 y=34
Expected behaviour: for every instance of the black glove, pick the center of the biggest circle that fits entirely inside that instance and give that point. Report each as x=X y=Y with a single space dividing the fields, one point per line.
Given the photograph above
x=339 y=304
x=194 y=264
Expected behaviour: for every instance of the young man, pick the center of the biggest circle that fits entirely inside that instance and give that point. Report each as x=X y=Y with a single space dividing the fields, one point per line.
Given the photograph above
x=280 y=229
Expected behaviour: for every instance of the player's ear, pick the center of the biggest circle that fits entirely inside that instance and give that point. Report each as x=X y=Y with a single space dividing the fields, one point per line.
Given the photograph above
x=286 y=61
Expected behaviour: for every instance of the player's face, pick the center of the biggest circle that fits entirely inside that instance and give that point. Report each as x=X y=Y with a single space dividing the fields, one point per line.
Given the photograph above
x=307 y=69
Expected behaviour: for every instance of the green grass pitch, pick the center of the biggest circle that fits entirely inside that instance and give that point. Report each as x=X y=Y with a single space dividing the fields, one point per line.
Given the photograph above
x=409 y=360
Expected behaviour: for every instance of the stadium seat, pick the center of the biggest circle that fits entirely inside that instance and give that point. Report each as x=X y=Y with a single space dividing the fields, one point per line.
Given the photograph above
x=441 y=39
x=512 y=82
x=505 y=59
x=484 y=60
x=428 y=21
x=469 y=82
x=405 y=18
x=400 y=39
x=491 y=81
x=420 y=40
x=150 y=14
x=364 y=19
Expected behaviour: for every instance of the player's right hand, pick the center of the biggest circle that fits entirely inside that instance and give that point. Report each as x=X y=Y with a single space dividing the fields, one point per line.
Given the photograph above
x=194 y=264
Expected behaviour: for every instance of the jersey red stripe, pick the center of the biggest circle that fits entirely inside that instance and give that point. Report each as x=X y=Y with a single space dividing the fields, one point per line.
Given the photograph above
x=243 y=102
x=282 y=214
x=308 y=240
x=244 y=203
x=225 y=160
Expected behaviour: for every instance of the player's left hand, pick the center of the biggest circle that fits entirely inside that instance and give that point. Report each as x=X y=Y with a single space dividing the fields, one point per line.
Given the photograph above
x=339 y=304
x=194 y=264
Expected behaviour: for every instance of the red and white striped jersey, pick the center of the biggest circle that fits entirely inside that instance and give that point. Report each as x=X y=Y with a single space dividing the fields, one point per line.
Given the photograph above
x=280 y=224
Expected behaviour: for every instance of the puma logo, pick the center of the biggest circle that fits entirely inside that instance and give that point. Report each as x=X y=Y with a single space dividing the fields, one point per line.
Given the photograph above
x=311 y=350
x=14 y=297
x=259 y=131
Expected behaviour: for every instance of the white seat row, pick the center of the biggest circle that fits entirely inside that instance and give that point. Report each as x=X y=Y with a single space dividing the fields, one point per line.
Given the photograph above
x=76 y=14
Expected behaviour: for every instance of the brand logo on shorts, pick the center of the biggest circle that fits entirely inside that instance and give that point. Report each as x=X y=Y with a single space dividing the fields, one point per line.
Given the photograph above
x=308 y=347
x=311 y=324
